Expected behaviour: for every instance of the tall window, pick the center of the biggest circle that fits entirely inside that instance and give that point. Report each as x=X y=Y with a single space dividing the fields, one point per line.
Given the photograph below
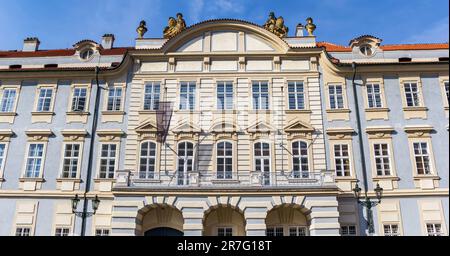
x=262 y=161
x=108 y=161
x=374 y=96
x=224 y=95
x=79 y=99
x=23 y=231
x=185 y=162
x=102 y=232
x=225 y=160
x=114 y=99
x=391 y=230
x=412 y=95
x=62 y=231
x=434 y=229
x=44 y=100
x=342 y=160
x=275 y=231
x=187 y=95
x=260 y=95
x=2 y=155
x=296 y=95
x=447 y=92
x=225 y=231
x=152 y=96
x=336 y=96
x=382 y=162
x=8 y=100
x=34 y=160
x=422 y=158
x=148 y=161
x=300 y=159
x=349 y=230
x=71 y=160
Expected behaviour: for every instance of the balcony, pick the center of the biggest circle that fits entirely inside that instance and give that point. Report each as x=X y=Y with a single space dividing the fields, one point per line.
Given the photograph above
x=207 y=180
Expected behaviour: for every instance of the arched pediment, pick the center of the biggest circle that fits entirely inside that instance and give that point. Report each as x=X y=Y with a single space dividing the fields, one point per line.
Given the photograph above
x=225 y=36
x=186 y=127
x=223 y=127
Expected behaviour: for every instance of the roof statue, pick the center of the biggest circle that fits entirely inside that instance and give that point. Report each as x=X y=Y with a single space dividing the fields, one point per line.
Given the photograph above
x=310 y=26
x=175 y=26
x=276 y=25
x=142 y=29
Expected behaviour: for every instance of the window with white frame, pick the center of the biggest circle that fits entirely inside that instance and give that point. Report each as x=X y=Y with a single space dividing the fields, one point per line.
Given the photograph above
x=108 y=161
x=300 y=159
x=225 y=231
x=114 y=98
x=275 y=231
x=44 y=100
x=62 y=231
x=185 y=162
x=263 y=161
x=23 y=231
x=147 y=160
x=422 y=157
x=71 y=160
x=260 y=92
x=374 y=96
x=412 y=94
x=342 y=160
x=348 y=230
x=152 y=93
x=447 y=93
x=434 y=229
x=34 y=160
x=336 y=94
x=187 y=95
x=298 y=231
x=391 y=230
x=225 y=95
x=2 y=155
x=296 y=93
x=8 y=100
x=79 y=99
x=224 y=160
x=382 y=159
x=102 y=232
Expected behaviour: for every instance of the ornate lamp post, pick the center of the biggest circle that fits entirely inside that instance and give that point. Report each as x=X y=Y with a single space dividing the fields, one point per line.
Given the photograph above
x=83 y=214
x=368 y=204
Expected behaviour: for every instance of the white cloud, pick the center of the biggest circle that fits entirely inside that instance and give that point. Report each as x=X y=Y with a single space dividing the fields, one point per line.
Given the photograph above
x=196 y=9
x=434 y=33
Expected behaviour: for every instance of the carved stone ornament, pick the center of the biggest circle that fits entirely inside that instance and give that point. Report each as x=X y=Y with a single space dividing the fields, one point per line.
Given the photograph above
x=175 y=26
x=142 y=29
x=276 y=25
x=310 y=26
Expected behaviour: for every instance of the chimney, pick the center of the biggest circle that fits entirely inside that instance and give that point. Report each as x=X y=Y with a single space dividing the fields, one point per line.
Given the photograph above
x=299 y=30
x=31 y=44
x=108 y=41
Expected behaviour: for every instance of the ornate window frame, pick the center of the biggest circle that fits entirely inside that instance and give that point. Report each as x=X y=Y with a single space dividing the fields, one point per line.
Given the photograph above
x=157 y=156
x=111 y=136
x=442 y=80
x=413 y=112
x=428 y=215
x=44 y=116
x=25 y=216
x=234 y=84
x=337 y=114
x=9 y=117
x=5 y=138
x=196 y=94
x=114 y=115
x=375 y=113
x=82 y=116
x=387 y=209
x=270 y=86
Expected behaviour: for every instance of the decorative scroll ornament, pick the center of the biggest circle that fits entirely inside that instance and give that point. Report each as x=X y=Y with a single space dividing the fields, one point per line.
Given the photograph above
x=142 y=29
x=175 y=26
x=276 y=25
x=310 y=26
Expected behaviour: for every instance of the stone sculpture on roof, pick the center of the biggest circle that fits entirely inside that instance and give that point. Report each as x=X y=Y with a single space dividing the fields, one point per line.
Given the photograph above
x=175 y=26
x=276 y=25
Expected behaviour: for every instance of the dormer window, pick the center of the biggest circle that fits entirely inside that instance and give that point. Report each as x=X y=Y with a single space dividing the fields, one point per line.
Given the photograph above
x=366 y=50
x=87 y=54
x=367 y=46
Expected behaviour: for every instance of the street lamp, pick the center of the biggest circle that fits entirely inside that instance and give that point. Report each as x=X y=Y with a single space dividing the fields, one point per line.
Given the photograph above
x=368 y=204
x=83 y=214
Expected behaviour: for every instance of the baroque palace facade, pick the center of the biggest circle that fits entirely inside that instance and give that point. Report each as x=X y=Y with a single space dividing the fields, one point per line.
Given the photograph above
x=224 y=128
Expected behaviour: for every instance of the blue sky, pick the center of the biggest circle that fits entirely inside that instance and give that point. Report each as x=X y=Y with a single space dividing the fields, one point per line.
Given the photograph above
x=60 y=24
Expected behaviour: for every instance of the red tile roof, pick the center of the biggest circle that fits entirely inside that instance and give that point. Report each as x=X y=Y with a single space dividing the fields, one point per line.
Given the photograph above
x=56 y=53
x=393 y=47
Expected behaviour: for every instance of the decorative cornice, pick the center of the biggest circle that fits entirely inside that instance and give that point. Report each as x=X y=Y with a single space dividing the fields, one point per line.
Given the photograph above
x=39 y=135
x=110 y=135
x=415 y=131
x=74 y=135
x=379 y=131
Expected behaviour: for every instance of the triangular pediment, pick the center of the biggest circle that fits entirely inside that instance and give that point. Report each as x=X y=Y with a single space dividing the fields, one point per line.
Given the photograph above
x=297 y=126
x=223 y=127
x=260 y=127
x=186 y=127
x=148 y=126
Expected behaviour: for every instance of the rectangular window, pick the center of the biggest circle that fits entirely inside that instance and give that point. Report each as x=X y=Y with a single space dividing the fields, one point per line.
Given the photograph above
x=34 y=160
x=275 y=231
x=374 y=96
x=296 y=95
x=382 y=161
x=297 y=231
x=447 y=93
x=2 y=155
x=8 y=100
x=225 y=232
x=391 y=230
x=152 y=96
x=225 y=95
x=62 y=231
x=434 y=229
x=71 y=160
x=23 y=231
x=336 y=96
x=260 y=95
x=79 y=99
x=422 y=158
x=187 y=95
x=348 y=230
x=102 y=232
x=108 y=161
x=44 y=100
x=412 y=95
x=114 y=99
x=342 y=160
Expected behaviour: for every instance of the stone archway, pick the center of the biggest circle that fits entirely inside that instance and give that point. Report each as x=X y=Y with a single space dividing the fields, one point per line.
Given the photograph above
x=160 y=220
x=287 y=220
x=224 y=220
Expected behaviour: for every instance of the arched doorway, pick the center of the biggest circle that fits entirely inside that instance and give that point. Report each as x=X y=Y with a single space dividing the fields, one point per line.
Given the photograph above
x=287 y=220
x=161 y=220
x=224 y=221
